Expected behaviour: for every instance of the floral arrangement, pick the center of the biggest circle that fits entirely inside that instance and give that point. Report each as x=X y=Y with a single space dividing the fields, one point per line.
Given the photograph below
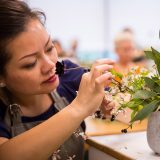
x=139 y=90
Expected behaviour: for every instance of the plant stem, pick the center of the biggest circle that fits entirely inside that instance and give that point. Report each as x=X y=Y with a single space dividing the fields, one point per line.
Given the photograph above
x=76 y=68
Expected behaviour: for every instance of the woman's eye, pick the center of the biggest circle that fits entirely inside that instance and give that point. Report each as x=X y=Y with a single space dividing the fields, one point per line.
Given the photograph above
x=31 y=65
x=50 y=48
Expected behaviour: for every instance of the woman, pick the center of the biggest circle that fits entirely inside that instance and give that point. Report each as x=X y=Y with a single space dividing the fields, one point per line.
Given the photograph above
x=27 y=81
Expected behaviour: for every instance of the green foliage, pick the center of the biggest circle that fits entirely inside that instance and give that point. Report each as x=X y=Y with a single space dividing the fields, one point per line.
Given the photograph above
x=154 y=55
x=145 y=95
x=137 y=84
x=152 y=84
x=117 y=74
x=147 y=109
x=139 y=90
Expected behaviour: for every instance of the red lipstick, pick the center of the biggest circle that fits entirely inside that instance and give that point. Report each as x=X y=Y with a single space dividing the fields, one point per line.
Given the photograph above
x=51 y=79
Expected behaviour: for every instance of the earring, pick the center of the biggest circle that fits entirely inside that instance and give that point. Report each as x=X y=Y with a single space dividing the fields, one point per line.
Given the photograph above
x=2 y=85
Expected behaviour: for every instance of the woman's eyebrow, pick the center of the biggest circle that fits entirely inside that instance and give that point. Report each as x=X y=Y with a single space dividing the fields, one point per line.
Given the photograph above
x=33 y=54
x=47 y=42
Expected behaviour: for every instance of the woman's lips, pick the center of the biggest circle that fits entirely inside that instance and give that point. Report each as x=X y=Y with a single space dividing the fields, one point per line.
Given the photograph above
x=51 y=79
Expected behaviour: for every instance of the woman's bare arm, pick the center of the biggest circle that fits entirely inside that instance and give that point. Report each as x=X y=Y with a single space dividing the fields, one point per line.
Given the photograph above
x=40 y=142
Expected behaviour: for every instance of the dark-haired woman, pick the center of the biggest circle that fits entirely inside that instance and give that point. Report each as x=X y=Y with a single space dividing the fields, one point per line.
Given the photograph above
x=31 y=93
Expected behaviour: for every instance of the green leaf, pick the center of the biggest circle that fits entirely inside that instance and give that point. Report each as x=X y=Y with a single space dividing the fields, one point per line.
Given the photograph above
x=144 y=94
x=157 y=59
x=155 y=78
x=155 y=55
x=148 y=108
x=116 y=73
x=137 y=83
x=149 y=55
x=131 y=104
x=152 y=84
x=133 y=114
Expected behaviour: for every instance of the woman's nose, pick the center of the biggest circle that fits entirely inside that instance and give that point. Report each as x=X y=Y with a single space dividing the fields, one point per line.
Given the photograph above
x=48 y=65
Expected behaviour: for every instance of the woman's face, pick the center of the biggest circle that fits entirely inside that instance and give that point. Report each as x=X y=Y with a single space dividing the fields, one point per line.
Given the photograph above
x=126 y=51
x=31 y=69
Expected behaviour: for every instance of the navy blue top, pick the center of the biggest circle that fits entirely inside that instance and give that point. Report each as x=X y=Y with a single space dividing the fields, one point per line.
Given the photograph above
x=69 y=84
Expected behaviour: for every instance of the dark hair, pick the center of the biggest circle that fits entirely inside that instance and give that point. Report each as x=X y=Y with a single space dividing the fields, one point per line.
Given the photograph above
x=14 y=16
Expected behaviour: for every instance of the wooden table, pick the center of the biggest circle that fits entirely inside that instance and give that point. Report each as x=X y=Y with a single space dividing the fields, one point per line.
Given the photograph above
x=130 y=146
x=98 y=127
x=108 y=143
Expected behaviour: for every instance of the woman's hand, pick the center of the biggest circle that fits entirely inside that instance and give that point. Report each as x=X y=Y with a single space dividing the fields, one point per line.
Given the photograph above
x=107 y=106
x=91 y=90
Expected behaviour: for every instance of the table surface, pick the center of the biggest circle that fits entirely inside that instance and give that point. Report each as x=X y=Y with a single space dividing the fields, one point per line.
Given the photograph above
x=98 y=127
x=124 y=146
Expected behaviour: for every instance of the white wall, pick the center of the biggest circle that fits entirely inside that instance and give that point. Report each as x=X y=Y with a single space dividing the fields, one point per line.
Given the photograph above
x=69 y=19
x=96 y=22
x=141 y=15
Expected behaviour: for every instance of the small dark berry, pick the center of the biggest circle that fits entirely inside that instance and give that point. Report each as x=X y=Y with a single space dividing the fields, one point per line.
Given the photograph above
x=97 y=114
x=113 y=117
x=124 y=130
x=87 y=70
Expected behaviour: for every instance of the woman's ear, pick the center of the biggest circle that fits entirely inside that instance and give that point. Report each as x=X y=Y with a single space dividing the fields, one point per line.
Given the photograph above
x=2 y=84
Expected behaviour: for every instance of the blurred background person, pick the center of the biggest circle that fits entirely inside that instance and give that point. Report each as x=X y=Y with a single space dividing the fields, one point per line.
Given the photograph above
x=72 y=52
x=58 y=45
x=125 y=49
x=128 y=56
x=63 y=54
x=139 y=55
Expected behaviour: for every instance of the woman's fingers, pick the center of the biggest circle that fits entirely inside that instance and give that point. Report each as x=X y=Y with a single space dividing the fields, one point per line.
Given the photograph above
x=100 y=76
x=102 y=61
x=107 y=106
x=91 y=89
x=100 y=72
x=101 y=69
x=101 y=66
x=104 y=80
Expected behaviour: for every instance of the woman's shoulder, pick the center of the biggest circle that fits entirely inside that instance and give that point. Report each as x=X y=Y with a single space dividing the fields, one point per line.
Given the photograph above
x=70 y=80
x=69 y=63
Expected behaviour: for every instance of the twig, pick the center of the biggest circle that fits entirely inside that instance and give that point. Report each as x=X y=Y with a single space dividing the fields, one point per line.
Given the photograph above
x=70 y=69
x=120 y=85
